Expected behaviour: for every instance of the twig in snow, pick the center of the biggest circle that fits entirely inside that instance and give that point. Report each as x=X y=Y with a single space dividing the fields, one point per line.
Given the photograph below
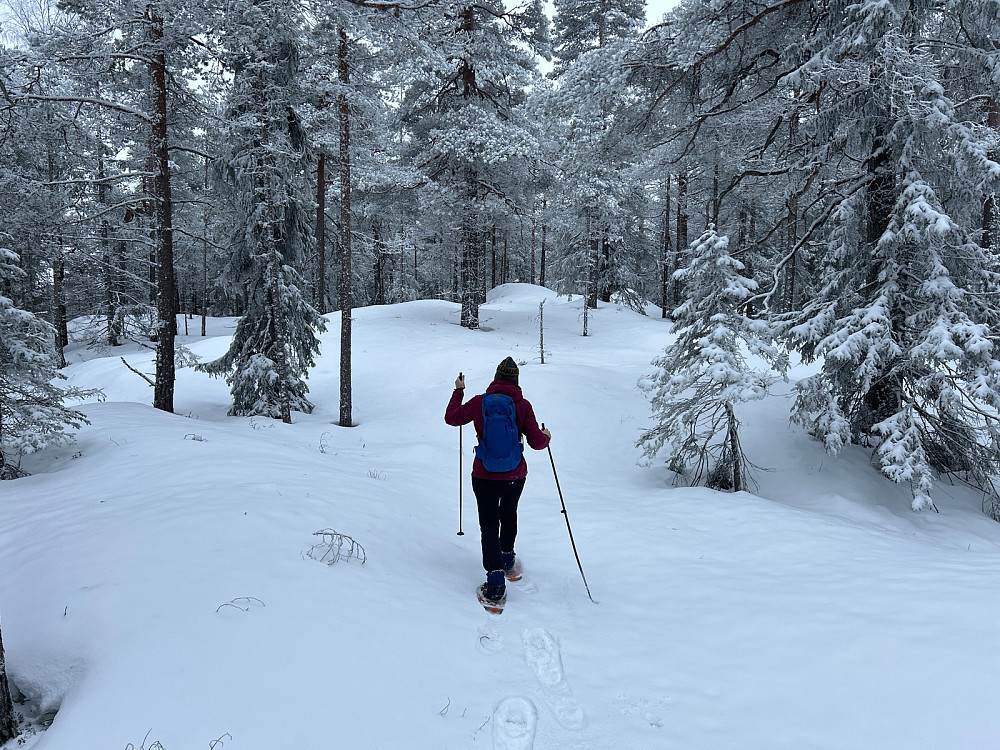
x=141 y=375
x=335 y=547
x=213 y=743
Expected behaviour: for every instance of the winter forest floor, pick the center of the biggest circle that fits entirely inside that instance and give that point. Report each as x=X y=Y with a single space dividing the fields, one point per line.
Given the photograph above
x=157 y=585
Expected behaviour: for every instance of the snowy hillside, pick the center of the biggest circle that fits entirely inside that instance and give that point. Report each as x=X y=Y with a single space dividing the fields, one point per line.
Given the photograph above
x=157 y=584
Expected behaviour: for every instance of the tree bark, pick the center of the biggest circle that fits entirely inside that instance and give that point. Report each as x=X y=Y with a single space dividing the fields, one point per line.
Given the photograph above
x=469 y=265
x=991 y=209
x=346 y=301
x=541 y=251
x=110 y=304
x=59 y=302
x=505 y=266
x=8 y=722
x=279 y=354
x=665 y=256
x=378 y=245
x=321 y=232
x=604 y=268
x=682 y=228
x=733 y=437
x=493 y=256
x=534 y=229
x=166 y=306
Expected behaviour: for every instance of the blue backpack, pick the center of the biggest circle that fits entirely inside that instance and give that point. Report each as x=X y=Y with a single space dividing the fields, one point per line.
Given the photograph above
x=500 y=446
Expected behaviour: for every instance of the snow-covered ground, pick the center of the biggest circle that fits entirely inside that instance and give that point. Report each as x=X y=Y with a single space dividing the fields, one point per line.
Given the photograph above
x=156 y=583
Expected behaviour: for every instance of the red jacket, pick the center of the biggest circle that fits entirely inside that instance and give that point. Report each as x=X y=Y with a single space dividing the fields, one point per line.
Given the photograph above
x=458 y=413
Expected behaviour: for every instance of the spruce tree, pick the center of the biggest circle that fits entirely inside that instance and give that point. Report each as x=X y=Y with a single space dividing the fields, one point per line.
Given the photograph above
x=276 y=340
x=705 y=372
x=33 y=414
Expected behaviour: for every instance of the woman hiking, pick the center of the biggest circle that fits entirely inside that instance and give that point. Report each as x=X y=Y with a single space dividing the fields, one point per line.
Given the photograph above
x=501 y=416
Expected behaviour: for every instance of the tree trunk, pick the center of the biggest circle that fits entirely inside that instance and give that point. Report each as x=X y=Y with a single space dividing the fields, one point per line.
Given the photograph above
x=534 y=229
x=378 y=245
x=109 y=267
x=592 y=259
x=791 y=240
x=321 y=232
x=885 y=396
x=469 y=261
x=714 y=211
x=58 y=276
x=346 y=301
x=8 y=722
x=665 y=256
x=682 y=229
x=166 y=306
x=493 y=256
x=991 y=208
x=733 y=438
x=504 y=266
x=604 y=268
x=279 y=353
x=541 y=251
x=59 y=303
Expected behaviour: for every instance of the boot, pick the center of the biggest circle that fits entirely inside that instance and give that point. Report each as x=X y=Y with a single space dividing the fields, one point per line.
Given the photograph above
x=512 y=570
x=495 y=588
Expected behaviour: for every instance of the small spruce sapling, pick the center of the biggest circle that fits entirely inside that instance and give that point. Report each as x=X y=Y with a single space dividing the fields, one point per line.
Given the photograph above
x=704 y=373
x=33 y=414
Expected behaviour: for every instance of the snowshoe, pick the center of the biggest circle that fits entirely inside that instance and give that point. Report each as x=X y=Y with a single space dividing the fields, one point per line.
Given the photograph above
x=515 y=571
x=493 y=606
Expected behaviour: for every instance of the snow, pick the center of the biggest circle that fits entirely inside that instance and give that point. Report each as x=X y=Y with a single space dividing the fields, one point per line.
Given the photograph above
x=156 y=584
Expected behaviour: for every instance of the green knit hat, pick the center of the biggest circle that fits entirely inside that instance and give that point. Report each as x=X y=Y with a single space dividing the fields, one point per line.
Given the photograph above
x=507 y=370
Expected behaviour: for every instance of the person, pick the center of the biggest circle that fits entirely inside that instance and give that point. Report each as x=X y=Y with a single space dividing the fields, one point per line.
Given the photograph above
x=497 y=494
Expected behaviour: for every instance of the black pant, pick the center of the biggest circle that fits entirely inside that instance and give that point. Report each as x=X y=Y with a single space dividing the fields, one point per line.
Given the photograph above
x=497 y=503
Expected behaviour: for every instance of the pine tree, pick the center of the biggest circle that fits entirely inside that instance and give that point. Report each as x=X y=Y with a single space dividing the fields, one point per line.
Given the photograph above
x=705 y=373
x=599 y=193
x=469 y=133
x=33 y=414
x=581 y=26
x=276 y=340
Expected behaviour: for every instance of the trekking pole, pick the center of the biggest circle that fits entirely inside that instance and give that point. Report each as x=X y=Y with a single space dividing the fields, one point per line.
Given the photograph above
x=460 y=532
x=566 y=516
x=460 y=451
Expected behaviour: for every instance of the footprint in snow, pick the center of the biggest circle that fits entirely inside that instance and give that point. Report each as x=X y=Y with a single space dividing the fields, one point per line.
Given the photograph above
x=490 y=636
x=514 y=720
x=541 y=651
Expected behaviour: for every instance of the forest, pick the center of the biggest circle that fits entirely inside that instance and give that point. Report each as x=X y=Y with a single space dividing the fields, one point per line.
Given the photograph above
x=790 y=178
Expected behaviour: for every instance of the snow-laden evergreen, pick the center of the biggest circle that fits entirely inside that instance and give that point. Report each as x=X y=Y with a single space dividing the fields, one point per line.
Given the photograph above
x=33 y=409
x=704 y=373
x=851 y=147
x=598 y=195
x=905 y=320
x=468 y=133
x=581 y=26
x=276 y=339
